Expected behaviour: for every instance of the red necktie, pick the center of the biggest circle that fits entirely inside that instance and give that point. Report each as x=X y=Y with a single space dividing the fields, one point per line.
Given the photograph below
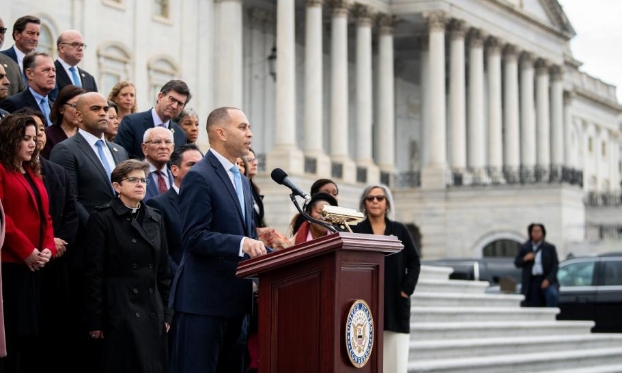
x=161 y=183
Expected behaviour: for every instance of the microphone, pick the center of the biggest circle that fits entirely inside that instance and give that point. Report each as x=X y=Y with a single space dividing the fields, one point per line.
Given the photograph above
x=280 y=177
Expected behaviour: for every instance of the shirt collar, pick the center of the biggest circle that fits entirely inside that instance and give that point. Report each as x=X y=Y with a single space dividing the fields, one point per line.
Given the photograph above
x=157 y=120
x=153 y=168
x=224 y=161
x=89 y=137
x=37 y=96
x=20 y=55
x=65 y=64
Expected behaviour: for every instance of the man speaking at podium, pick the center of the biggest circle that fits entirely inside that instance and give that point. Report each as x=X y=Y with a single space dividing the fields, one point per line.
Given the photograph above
x=211 y=304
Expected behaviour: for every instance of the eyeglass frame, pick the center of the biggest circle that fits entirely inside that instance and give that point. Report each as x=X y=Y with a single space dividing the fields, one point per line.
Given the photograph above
x=377 y=198
x=135 y=180
x=3 y=30
x=158 y=142
x=70 y=104
x=173 y=100
x=75 y=44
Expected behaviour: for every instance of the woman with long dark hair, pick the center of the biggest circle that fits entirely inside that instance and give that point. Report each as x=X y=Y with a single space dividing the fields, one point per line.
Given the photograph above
x=64 y=118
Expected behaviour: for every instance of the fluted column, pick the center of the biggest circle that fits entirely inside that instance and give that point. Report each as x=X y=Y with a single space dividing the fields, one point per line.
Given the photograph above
x=229 y=64
x=424 y=139
x=434 y=176
x=314 y=91
x=570 y=156
x=476 y=147
x=457 y=95
x=386 y=101
x=495 y=131
x=364 y=102
x=557 y=116
x=614 y=161
x=510 y=113
x=528 y=120
x=543 y=139
x=339 y=120
x=285 y=152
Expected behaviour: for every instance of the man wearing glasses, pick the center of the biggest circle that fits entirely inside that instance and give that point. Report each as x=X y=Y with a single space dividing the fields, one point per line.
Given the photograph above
x=70 y=53
x=157 y=148
x=171 y=100
x=11 y=68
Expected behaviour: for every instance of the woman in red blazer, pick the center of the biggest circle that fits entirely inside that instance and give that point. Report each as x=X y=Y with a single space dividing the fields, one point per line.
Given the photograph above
x=29 y=241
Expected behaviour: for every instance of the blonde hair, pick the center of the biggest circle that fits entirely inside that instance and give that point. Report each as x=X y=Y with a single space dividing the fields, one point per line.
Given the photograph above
x=117 y=89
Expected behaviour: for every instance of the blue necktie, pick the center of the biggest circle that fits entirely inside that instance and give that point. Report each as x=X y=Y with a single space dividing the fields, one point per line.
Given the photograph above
x=237 y=179
x=45 y=109
x=102 y=156
x=76 y=79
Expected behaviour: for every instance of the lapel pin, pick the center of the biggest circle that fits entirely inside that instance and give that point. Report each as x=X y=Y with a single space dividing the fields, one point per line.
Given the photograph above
x=83 y=75
x=5 y=65
x=173 y=130
x=115 y=149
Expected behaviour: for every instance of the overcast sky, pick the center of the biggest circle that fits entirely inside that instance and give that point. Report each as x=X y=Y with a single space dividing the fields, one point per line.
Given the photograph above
x=598 y=43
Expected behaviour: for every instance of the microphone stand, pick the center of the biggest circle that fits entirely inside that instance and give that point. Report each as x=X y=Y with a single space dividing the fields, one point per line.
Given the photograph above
x=309 y=218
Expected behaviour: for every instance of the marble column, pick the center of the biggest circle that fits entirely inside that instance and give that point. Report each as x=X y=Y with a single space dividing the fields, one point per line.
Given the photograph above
x=557 y=116
x=614 y=161
x=314 y=77
x=424 y=136
x=543 y=124
x=457 y=95
x=510 y=113
x=285 y=153
x=528 y=120
x=386 y=100
x=570 y=154
x=229 y=64
x=364 y=102
x=339 y=120
x=476 y=151
x=495 y=130
x=434 y=176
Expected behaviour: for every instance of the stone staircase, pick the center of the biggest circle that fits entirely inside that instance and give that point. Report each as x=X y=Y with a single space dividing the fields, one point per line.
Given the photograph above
x=457 y=327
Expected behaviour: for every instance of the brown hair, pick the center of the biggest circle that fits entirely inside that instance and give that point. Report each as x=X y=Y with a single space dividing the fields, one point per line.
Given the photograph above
x=124 y=168
x=12 y=131
x=20 y=24
x=117 y=89
x=65 y=94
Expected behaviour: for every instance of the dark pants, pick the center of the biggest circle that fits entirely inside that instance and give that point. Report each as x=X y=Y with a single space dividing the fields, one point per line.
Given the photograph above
x=208 y=344
x=538 y=297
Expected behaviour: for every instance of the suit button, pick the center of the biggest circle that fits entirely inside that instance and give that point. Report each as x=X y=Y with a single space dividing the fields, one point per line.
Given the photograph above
x=137 y=314
x=151 y=290
x=134 y=265
x=128 y=219
x=152 y=315
x=135 y=290
x=133 y=240
x=150 y=265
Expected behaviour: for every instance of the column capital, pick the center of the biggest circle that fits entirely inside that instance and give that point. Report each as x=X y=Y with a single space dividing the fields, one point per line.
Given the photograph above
x=437 y=20
x=527 y=58
x=457 y=28
x=424 y=41
x=314 y=3
x=494 y=44
x=386 y=24
x=557 y=73
x=511 y=52
x=364 y=14
x=568 y=97
x=340 y=8
x=476 y=37
x=257 y=16
x=542 y=66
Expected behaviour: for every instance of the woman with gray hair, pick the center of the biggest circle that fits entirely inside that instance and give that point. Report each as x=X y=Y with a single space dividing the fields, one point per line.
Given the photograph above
x=188 y=120
x=401 y=273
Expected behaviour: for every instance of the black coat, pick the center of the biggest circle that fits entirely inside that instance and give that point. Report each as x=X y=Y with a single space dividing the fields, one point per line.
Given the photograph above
x=127 y=286
x=401 y=273
x=550 y=264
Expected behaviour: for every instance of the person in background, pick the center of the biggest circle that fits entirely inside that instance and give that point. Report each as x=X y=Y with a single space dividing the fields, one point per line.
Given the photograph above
x=127 y=278
x=113 y=121
x=325 y=186
x=401 y=273
x=71 y=47
x=124 y=95
x=157 y=147
x=11 y=67
x=29 y=242
x=5 y=86
x=241 y=162
x=251 y=172
x=26 y=31
x=307 y=231
x=64 y=118
x=539 y=262
x=188 y=120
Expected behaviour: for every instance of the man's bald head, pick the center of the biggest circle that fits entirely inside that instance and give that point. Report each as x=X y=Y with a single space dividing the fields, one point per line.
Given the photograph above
x=70 y=47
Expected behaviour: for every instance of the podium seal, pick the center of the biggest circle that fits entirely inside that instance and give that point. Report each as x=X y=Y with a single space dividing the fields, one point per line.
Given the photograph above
x=359 y=333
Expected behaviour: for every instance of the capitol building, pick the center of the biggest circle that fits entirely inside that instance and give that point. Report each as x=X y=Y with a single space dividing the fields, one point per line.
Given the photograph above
x=474 y=112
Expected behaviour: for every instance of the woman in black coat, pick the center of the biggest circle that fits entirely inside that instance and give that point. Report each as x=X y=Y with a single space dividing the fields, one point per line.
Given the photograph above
x=128 y=277
x=401 y=273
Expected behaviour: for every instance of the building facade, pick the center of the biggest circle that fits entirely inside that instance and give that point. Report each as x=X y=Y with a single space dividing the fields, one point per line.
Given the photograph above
x=474 y=111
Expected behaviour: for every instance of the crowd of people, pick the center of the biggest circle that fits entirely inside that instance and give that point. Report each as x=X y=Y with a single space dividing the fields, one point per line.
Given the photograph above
x=123 y=237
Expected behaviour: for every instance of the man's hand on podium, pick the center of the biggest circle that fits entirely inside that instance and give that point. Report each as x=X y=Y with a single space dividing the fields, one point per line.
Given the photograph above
x=253 y=248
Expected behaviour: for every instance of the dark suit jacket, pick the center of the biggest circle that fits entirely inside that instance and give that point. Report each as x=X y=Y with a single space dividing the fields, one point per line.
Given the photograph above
x=212 y=228
x=152 y=187
x=63 y=208
x=11 y=53
x=53 y=134
x=168 y=206
x=550 y=264
x=62 y=80
x=21 y=100
x=13 y=73
x=133 y=127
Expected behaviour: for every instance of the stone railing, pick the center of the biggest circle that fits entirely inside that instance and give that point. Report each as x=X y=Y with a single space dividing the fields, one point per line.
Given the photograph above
x=597 y=199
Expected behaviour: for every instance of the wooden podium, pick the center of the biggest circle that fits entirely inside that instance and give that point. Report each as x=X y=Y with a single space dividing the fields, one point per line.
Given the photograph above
x=305 y=295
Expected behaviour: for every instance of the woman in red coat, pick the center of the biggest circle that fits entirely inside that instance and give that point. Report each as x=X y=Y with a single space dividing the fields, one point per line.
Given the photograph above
x=29 y=241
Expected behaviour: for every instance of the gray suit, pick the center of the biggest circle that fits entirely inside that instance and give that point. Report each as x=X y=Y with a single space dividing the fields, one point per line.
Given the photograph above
x=12 y=72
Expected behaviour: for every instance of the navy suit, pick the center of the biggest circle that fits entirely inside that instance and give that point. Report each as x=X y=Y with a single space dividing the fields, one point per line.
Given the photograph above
x=207 y=296
x=133 y=127
x=63 y=80
x=152 y=186
x=168 y=205
x=22 y=100
x=11 y=53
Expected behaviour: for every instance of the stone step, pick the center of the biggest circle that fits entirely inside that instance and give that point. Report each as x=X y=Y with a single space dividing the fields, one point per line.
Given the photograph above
x=454 y=314
x=617 y=368
x=443 y=349
x=434 y=272
x=431 y=285
x=542 y=361
x=463 y=330
x=465 y=300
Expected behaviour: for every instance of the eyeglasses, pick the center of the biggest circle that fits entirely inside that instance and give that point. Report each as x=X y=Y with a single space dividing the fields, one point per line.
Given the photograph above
x=173 y=100
x=159 y=142
x=3 y=30
x=70 y=104
x=251 y=160
x=76 y=45
x=135 y=180
x=377 y=198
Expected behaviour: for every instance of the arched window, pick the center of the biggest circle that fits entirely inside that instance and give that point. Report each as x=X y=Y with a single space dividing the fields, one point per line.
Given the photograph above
x=501 y=248
x=161 y=70
x=114 y=65
x=47 y=43
x=161 y=8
